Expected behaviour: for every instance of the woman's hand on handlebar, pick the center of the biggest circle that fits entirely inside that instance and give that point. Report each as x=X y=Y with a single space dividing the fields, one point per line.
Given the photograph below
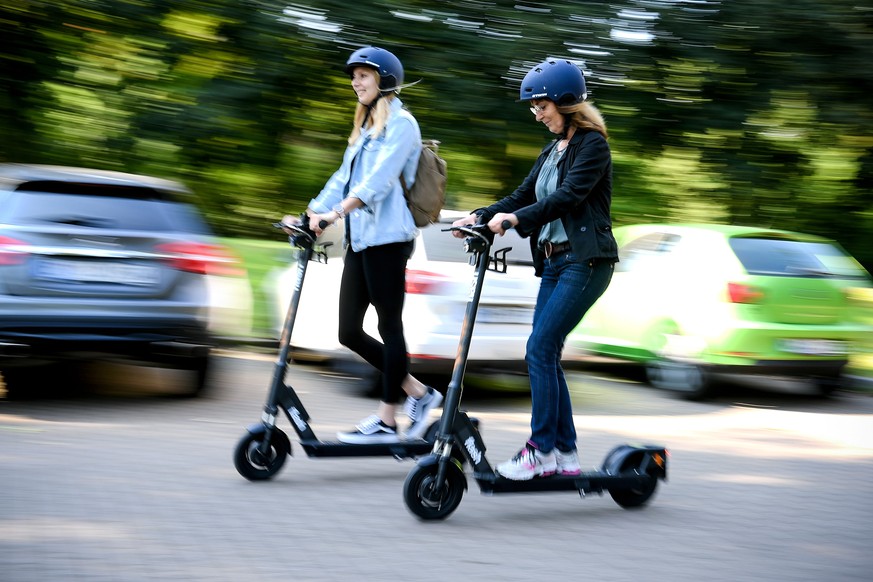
x=499 y=222
x=466 y=221
x=318 y=222
x=290 y=220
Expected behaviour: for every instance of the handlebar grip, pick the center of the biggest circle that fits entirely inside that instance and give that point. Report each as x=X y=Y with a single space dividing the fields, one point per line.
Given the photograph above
x=322 y=224
x=505 y=225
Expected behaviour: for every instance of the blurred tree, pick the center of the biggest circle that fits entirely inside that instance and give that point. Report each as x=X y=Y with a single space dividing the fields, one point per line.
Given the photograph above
x=768 y=99
x=750 y=111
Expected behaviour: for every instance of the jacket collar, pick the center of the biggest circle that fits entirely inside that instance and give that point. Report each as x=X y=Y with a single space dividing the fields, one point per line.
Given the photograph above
x=396 y=104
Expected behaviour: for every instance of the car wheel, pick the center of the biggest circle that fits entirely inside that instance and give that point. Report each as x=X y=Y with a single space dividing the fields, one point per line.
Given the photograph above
x=200 y=368
x=687 y=379
x=15 y=381
x=50 y=380
x=196 y=384
x=826 y=386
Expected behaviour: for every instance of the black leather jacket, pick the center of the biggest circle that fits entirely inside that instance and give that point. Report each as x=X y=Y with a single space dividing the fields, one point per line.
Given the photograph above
x=582 y=200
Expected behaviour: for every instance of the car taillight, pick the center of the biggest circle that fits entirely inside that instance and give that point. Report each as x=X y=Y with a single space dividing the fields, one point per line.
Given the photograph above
x=202 y=258
x=424 y=282
x=12 y=251
x=742 y=293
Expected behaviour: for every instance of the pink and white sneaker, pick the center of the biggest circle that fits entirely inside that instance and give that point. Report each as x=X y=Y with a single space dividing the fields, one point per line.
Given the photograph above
x=568 y=463
x=527 y=464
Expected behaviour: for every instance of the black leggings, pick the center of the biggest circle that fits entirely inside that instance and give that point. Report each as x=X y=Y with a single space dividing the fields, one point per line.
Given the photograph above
x=376 y=276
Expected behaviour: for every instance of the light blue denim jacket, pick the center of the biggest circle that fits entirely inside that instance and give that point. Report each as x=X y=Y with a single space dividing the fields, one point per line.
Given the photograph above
x=375 y=180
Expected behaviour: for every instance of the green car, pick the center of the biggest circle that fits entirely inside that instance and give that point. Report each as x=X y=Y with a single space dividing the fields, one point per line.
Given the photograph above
x=693 y=300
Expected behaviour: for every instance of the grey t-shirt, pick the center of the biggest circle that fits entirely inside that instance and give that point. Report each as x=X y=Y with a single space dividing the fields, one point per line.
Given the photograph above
x=547 y=182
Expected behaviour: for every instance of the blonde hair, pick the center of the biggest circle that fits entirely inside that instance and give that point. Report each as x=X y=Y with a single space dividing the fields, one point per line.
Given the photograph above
x=586 y=116
x=378 y=115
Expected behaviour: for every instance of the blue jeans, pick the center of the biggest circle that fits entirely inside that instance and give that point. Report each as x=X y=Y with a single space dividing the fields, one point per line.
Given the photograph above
x=567 y=290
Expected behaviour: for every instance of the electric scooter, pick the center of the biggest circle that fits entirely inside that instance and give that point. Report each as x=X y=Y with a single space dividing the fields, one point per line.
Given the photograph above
x=434 y=487
x=262 y=451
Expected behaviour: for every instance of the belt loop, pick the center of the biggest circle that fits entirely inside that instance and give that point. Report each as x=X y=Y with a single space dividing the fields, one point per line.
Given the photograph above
x=547 y=248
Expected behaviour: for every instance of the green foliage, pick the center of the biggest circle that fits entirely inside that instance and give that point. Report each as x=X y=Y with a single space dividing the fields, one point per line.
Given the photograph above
x=749 y=111
x=262 y=259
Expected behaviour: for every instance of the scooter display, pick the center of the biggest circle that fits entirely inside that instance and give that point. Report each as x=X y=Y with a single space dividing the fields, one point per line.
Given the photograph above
x=262 y=451
x=435 y=486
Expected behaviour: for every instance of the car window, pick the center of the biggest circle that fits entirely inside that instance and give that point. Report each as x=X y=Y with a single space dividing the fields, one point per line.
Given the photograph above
x=442 y=246
x=791 y=258
x=642 y=252
x=113 y=208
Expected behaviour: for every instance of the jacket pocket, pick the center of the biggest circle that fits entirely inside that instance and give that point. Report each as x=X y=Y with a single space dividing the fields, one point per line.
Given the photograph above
x=372 y=145
x=606 y=241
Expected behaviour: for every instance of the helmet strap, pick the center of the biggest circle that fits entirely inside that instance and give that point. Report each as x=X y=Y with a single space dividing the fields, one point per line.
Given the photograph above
x=370 y=107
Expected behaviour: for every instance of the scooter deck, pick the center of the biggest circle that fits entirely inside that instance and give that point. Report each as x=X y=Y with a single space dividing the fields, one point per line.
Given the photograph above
x=401 y=449
x=590 y=482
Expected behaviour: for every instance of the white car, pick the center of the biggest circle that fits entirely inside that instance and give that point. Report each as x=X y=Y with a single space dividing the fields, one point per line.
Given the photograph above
x=439 y=279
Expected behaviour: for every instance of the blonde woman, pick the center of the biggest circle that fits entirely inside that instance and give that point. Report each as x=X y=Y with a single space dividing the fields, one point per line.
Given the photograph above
x=366 y=192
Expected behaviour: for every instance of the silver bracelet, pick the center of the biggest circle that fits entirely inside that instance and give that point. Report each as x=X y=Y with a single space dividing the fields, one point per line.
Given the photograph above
x=339 y=210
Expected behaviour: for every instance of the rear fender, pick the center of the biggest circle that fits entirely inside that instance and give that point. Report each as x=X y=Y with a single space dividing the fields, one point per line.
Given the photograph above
x=644 y=459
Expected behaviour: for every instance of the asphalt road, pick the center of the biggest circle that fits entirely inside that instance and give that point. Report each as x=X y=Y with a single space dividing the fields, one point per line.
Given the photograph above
x=128 y=484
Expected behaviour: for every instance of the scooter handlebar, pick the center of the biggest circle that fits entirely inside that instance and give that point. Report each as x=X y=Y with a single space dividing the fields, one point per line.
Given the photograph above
x=302 y=227
x=479 y=230
x=297 y=232
x=479 y=236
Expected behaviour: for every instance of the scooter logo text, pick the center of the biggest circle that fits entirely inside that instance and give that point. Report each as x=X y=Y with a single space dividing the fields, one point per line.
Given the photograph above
x=475 y=454
x=295 y=416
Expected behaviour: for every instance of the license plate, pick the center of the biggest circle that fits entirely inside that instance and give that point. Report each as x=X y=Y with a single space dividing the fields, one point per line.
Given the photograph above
x=814 y=347
x=98 y=272
x=516 y=315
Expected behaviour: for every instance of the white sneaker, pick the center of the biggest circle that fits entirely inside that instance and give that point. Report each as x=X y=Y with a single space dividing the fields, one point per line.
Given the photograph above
x=369 y=430
x=527 y=464
x=567 y=463
x=418 y=409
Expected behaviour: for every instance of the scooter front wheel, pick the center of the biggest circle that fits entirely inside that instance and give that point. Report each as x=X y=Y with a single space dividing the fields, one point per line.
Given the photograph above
x=430 y=500
x=255 y=465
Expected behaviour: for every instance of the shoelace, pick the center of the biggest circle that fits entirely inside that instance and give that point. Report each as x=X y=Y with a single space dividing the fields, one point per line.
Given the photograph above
x=368 y=424
x=413 y=407
x=526 y=451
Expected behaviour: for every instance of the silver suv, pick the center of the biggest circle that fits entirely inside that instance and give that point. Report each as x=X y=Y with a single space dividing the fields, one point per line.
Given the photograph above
x=95 y=264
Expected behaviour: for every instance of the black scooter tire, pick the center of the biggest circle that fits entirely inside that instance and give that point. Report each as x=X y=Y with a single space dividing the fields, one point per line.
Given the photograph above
x=639 y=495
x=254 y=466
x=427 y=501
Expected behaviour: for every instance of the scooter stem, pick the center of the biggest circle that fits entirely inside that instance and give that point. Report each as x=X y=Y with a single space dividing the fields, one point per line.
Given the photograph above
x=482 y=248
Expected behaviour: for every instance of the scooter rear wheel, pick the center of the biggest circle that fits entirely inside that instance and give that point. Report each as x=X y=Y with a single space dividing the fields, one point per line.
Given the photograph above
x=638 y=495
x=255 y=466
x=430 y=500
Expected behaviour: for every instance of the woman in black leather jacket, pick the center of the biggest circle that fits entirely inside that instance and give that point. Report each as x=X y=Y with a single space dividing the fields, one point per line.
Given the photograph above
x=564 y=207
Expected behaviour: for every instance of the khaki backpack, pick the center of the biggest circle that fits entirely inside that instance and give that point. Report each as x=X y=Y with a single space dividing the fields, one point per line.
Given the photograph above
x=428 y=194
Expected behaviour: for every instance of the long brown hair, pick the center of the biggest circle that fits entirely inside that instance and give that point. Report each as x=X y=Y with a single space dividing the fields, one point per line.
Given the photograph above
x=586 y=116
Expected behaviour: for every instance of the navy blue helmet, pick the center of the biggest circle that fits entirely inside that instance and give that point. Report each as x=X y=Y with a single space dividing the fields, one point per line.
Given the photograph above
x=556 y=79
x=384 y=62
